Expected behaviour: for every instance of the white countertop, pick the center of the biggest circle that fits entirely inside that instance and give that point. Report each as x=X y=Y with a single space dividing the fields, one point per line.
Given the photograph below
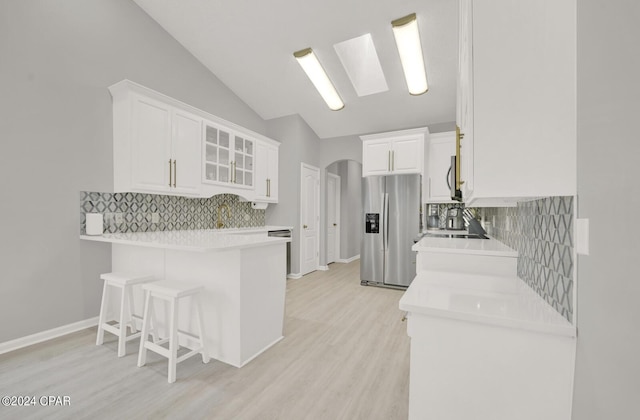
x=201 y=240
x=494 y=300
x=464 y=246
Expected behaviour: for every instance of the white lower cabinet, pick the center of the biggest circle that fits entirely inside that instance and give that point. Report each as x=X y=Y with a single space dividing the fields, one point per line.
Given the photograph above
x=484 y=345
x=164 y=146
x=462 y=370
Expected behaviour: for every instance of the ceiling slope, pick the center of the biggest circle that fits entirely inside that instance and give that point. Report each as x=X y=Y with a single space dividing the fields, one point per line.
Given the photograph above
x=249 y=46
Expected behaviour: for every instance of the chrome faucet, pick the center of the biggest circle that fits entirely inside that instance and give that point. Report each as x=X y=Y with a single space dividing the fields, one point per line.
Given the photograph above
x=219 y=222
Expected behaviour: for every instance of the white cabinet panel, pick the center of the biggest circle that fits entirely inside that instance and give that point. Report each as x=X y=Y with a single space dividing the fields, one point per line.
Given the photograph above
x=400 y=152
x=151 y=145
x=266 y=172
x=441 y=147
x=185 y=150
x=376 y=157
x=407 y=155
x=164 y=141
x=517 y=100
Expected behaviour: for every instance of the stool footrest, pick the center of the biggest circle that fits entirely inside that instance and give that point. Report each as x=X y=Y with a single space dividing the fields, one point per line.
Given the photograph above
x=188 y=355
x=111 y=328
x=157 y=348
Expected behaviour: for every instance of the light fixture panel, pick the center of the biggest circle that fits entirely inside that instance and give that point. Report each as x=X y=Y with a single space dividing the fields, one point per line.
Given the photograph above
x=407 y=35
x=360 y=60
x=312 y=67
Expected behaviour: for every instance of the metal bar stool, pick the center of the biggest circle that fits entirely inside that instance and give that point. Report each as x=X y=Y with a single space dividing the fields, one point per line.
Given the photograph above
x=171 y=292
x=124 y=282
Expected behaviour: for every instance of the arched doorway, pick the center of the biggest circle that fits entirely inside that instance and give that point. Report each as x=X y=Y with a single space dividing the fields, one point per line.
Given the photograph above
x=342 y=206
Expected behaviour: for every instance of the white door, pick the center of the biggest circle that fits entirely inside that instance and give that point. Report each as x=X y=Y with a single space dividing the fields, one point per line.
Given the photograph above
x=333 y=218
x=309 y=218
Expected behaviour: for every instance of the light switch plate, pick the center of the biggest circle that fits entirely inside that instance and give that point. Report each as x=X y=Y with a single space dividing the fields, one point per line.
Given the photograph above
x=582 y=236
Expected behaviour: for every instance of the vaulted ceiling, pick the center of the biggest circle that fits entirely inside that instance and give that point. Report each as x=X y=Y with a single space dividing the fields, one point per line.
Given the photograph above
x=249 y=46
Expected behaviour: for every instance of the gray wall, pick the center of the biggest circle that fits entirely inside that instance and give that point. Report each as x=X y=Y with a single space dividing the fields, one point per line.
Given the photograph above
x=350 y=173
x=607 y=380
x=58 y=58
x=299 y=144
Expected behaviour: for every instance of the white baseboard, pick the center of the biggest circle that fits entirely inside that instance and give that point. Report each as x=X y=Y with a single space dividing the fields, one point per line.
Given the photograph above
x=348 y=260
x=36 y=338
x=294 y=276
x=323 y=267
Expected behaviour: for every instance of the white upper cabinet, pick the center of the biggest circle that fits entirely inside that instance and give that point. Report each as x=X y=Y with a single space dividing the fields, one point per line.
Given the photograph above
x=399 y=152
x=266 y=172
x=228 y=157
x=161 y=152
x=517 y=100
x=185 y=150
x=441 y=147
x=165 y=146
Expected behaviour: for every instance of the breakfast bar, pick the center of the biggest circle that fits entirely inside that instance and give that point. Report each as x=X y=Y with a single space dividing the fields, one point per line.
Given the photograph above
x=243 y=272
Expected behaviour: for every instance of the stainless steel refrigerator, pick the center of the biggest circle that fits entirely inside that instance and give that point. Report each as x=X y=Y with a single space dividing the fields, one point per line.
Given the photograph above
x=391 y=216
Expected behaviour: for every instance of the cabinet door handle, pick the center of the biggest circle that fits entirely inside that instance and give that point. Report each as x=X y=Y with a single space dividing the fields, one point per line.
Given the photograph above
x=393 y=160
x=175 y=172
x=170 y=173
x=268 y=188
x=304 y=226
x=459 y=136
x=389 y=160
x=235 y=173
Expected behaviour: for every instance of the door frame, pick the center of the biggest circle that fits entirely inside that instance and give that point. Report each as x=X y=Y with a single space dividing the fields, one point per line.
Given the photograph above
x=338 y=192
x=304 y=166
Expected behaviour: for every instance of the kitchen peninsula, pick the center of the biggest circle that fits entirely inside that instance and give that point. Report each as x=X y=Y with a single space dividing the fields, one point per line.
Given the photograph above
x=243 y=272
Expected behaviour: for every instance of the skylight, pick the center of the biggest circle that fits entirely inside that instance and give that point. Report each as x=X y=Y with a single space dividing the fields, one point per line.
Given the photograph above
x=360 y=60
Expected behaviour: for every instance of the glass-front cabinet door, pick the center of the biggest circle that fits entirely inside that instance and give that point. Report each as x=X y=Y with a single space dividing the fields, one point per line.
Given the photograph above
x=217 y=154
x=228 y=157
x=243 y=161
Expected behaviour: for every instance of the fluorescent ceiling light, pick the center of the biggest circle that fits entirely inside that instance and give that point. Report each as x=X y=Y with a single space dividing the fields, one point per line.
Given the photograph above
x=310 y=64
x=360 y=60
x=405 y=30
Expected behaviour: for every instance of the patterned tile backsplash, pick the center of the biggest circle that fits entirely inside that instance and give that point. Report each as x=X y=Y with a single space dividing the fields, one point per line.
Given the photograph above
x=134 y=212
x=542 y=233
x=444 y=207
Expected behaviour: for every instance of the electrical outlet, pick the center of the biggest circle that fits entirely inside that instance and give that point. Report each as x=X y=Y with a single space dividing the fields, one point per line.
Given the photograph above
x=119 y=218
x=155 y=217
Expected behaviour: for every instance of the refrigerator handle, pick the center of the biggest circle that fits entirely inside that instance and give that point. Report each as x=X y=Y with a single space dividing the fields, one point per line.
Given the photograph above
x=385 y=234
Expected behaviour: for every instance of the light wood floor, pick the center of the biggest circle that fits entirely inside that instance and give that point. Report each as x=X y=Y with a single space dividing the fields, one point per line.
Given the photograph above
x=345 y=355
